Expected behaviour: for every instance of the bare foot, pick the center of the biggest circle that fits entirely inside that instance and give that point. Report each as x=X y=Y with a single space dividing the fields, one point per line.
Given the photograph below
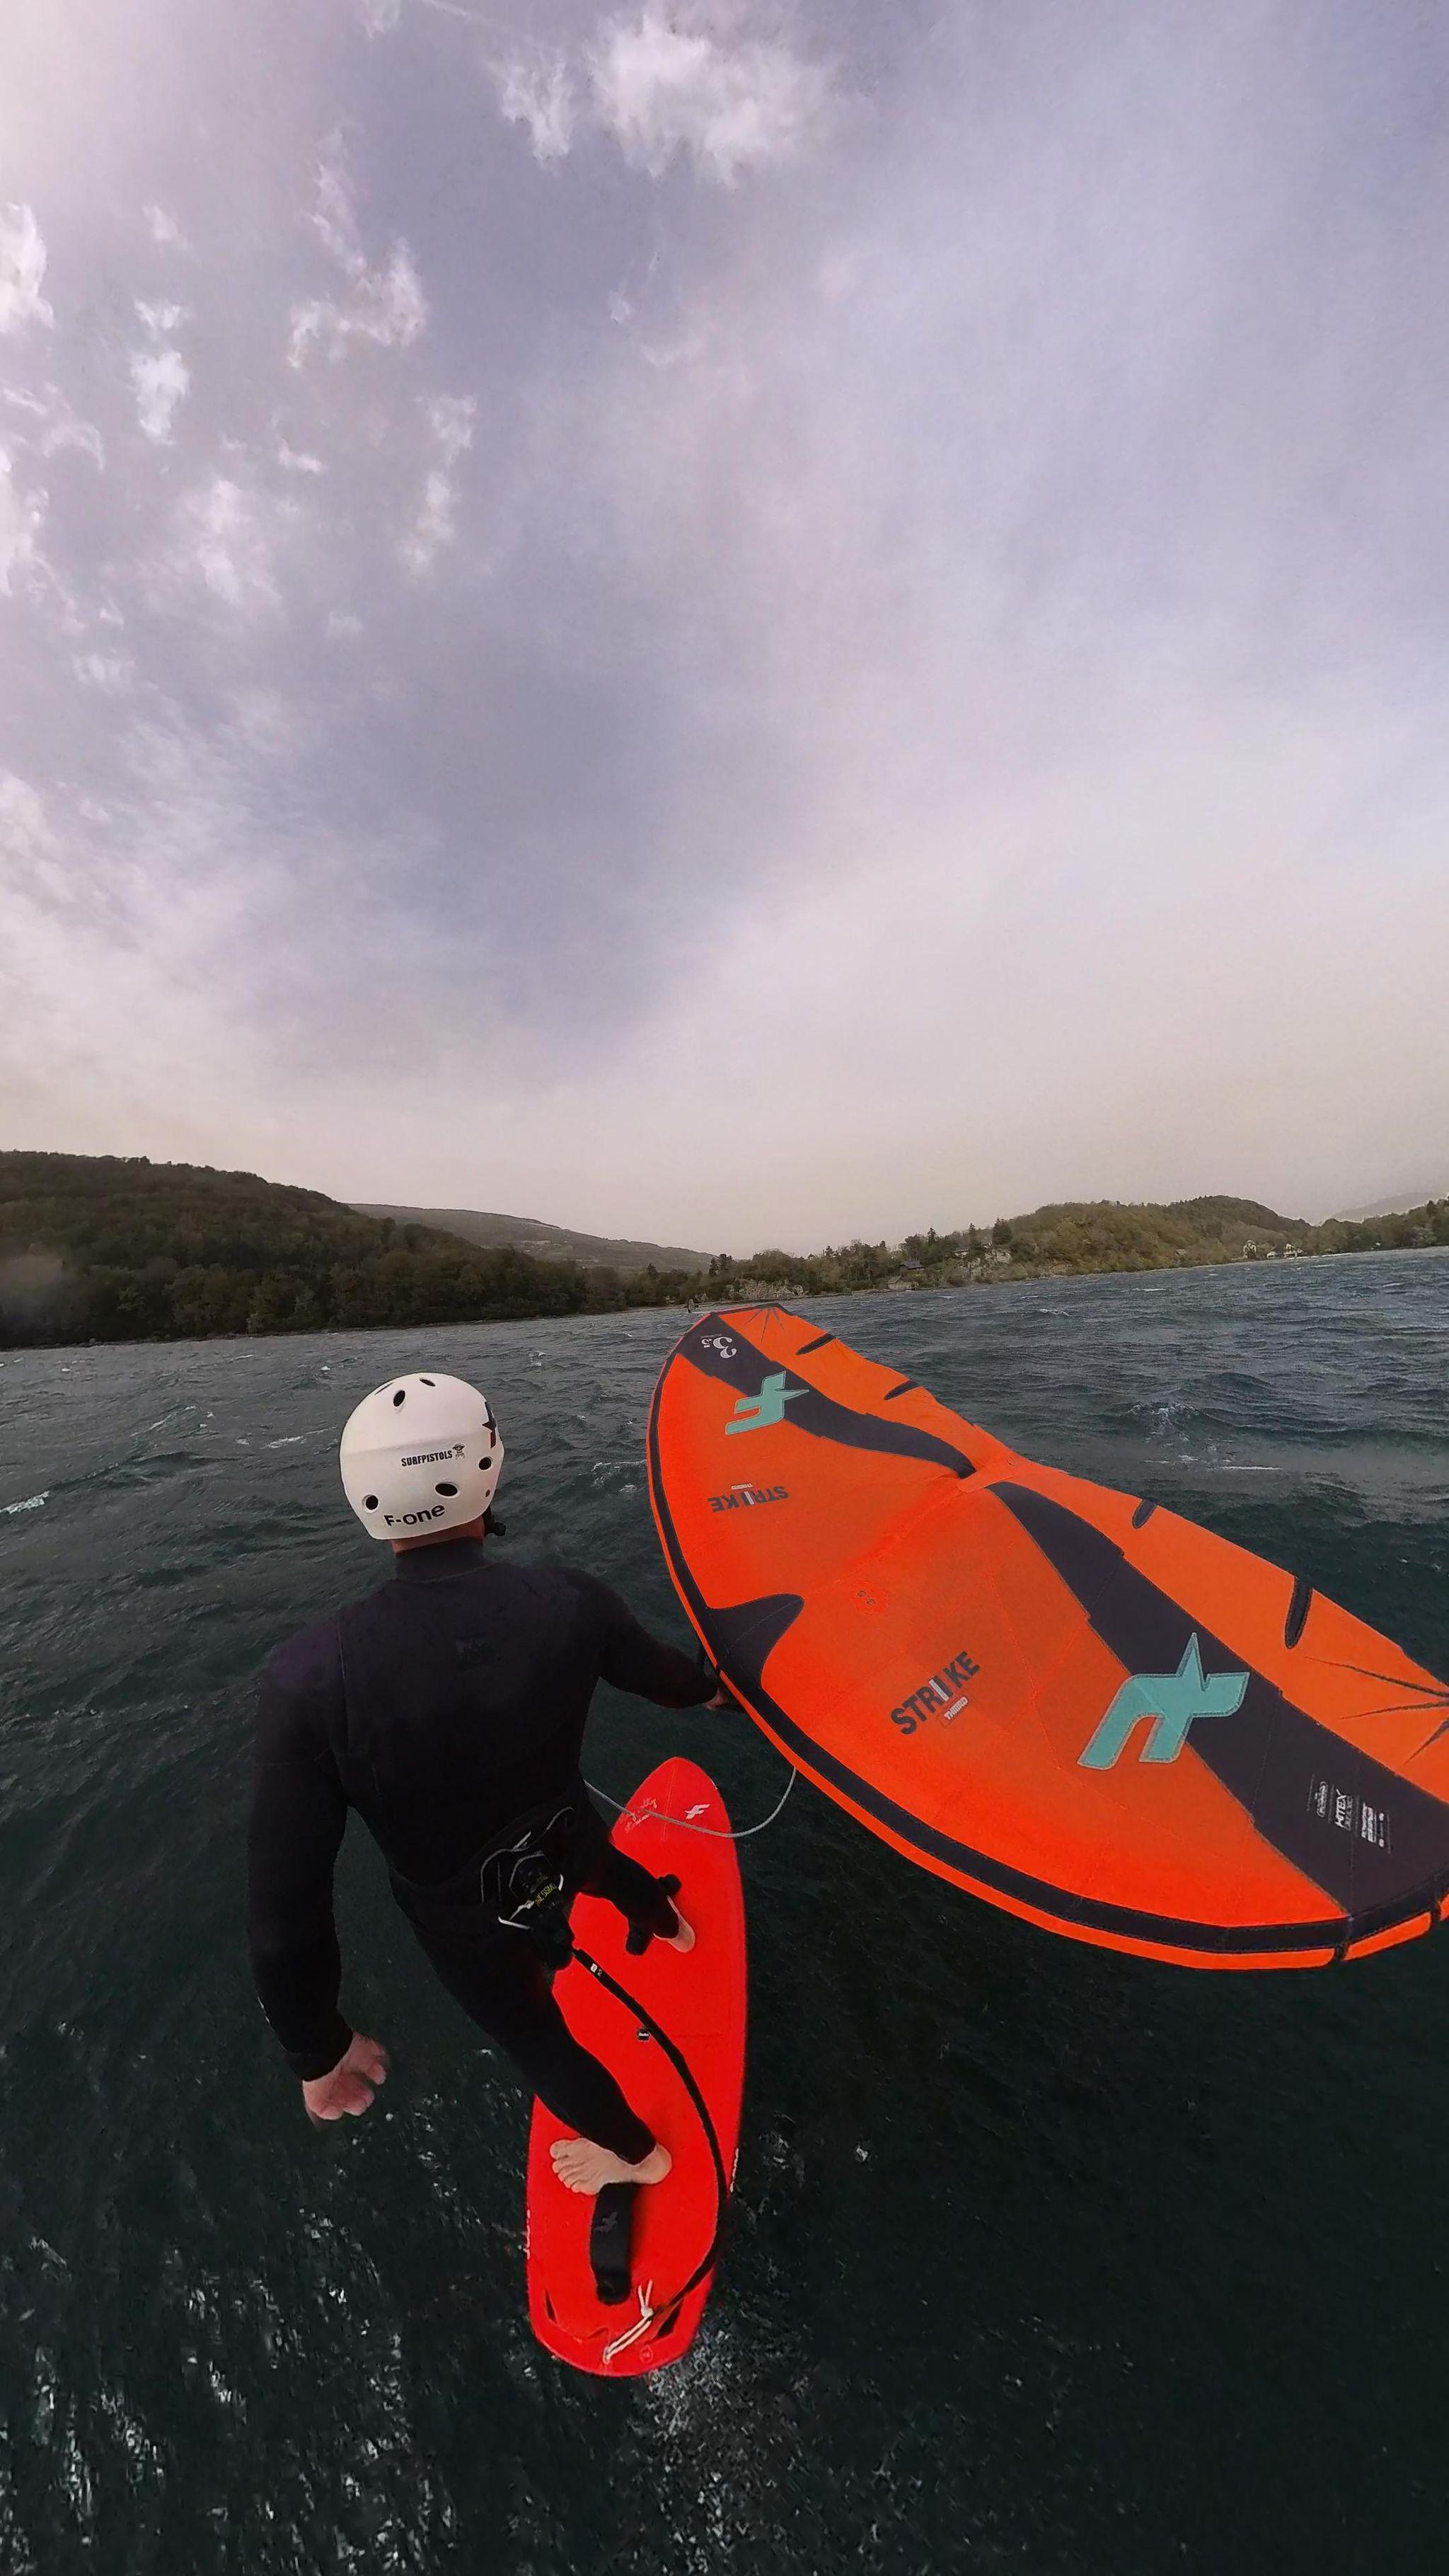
x=582 y=2166
x=683 y=1939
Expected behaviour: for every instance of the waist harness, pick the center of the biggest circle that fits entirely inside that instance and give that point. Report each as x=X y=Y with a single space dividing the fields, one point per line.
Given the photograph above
x=521 y=1878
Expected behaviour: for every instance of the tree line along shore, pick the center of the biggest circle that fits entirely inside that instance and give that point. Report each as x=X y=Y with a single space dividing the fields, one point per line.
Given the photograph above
x=101 y=1248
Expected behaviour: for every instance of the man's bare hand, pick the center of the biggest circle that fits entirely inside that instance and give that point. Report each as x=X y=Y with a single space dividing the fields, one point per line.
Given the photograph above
x=347 y=2092
x=723 y=1698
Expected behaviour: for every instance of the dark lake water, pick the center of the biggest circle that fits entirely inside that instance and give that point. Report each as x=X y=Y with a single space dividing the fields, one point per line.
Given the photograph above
x=1043 y=2259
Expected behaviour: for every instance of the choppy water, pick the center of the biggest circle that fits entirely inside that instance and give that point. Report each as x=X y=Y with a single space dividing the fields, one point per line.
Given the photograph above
x=1043 y=2259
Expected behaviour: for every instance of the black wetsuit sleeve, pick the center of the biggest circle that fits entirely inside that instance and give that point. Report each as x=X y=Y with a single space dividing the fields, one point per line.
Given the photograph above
x=634 y=1661
x=298 y=1812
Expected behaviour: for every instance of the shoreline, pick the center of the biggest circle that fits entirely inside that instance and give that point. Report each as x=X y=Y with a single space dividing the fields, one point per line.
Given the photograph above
x=743 y=1293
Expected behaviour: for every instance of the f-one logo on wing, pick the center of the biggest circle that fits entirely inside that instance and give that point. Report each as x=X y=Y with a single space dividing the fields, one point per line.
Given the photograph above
x=1172 y=1701
x=944 y=1695
x=742 y=1498
x=760 y=1412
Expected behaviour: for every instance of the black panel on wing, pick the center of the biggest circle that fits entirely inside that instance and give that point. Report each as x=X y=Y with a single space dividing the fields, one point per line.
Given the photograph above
x=1294 y=1777
x=722 y=1351
x=743 y=1639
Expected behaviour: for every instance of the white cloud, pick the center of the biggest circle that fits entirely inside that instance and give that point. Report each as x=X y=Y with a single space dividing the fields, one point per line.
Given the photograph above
x=108 y=672
x=164 y=228
x=69 y=431
x=434 y=527
x=158 y=319
x=20 y=520
x=160 y=383
x=670 y=83
x=228 y=539
x=57 y=426
x=30 y=844
x=136 y=920
x=664 y=85
x=342 y=625
x=163 y=913
x=381 y=16
x=542 y=97
x=333 y=217
x=385 y=305
x=295 y=460
x=24 y=826
x=22 y=270
x=264 y=722
x=450 y=419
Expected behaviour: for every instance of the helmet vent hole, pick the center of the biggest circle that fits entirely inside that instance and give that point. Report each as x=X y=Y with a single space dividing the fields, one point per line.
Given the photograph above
x=482 y=1462
x=426 y=1381
x=401 y=1395
x=369 y=1502
x=445 y=1489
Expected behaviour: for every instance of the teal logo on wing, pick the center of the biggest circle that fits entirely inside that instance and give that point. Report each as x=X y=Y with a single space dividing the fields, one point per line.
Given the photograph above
x=1172 y=1701
x=758 y=1412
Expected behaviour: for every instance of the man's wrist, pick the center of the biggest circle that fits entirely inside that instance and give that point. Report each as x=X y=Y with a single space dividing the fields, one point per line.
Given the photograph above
x=309 y=2065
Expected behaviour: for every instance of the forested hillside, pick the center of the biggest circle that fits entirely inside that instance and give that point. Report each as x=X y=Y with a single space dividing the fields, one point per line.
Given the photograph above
x=101 y=1248
x=104 y=1248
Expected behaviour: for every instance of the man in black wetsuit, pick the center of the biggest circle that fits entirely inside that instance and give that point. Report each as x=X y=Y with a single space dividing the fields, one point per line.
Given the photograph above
x=445 y=1707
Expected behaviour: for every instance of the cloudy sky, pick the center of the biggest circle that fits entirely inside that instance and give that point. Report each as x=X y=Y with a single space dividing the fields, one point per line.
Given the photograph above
x=740 y=622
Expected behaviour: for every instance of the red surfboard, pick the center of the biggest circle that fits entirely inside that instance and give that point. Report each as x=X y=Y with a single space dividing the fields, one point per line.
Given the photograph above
x=698 y=2000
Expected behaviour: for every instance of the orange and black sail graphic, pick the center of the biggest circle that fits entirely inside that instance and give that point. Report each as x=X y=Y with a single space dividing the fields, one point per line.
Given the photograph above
x=1064 y=1699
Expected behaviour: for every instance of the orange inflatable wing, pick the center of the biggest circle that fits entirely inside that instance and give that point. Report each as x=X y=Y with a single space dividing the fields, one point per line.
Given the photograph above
x=1067 y=1701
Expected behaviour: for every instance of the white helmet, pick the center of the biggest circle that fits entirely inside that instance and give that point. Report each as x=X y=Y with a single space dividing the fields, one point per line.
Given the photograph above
x=421 y=1453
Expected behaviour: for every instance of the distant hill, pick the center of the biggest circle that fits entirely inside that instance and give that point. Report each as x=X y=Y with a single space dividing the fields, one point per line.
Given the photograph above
x=543 y=1242
x=1053 y=1242
x=1403 y=1205
x=1074 y=1238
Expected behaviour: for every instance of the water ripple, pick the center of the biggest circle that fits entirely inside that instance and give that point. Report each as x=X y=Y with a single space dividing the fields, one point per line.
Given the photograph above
x=1010 y=2213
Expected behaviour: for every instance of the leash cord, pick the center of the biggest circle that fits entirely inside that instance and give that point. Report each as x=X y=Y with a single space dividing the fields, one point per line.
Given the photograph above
x=685 y=2072
x=680 y=1825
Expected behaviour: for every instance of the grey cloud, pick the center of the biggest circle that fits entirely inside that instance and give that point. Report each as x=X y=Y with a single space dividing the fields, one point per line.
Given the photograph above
x=884 y=689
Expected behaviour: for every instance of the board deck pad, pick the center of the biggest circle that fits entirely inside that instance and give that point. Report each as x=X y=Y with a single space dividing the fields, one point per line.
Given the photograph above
x=1064 y=1699
x=698 y=1997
